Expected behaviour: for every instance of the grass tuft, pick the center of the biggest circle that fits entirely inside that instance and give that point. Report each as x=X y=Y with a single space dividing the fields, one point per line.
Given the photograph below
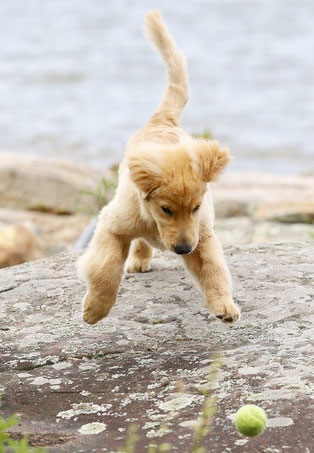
x=103 y=192
x=206 y=135
x=16 y=446
x=202 y=426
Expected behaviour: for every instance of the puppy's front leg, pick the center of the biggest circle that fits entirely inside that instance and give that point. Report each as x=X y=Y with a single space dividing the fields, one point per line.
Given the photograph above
x=102 y=265
x=208 y=266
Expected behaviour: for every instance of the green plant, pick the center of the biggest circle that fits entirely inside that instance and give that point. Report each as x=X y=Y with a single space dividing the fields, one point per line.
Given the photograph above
x=131 y=440
x=201 y=427
x=16 y=446
x=103 y=192
x=203 y=423
x=206 y=135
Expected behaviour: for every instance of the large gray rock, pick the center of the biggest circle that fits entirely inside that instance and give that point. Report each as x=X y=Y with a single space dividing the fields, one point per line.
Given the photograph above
x=245 y=230
x=48 y=185
x=265 y=196
x=54 y=233
x=146 y=362
x=17 y=245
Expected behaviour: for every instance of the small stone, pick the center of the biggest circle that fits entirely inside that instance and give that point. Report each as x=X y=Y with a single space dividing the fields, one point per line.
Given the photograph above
x=164 y=381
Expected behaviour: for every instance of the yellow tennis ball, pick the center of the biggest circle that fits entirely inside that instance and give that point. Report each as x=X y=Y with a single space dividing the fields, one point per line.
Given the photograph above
x=251 y=420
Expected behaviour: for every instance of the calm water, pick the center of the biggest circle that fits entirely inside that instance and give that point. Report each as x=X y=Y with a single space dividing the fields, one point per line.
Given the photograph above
x=77 y=77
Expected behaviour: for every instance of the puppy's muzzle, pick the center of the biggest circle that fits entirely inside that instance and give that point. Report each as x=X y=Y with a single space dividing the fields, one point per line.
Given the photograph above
x=183 y=249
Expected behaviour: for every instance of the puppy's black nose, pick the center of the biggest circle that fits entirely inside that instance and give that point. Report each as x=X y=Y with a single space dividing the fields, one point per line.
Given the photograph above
x=183 y=249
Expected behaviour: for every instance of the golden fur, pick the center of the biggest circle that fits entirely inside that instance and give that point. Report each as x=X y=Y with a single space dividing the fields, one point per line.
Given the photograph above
x=163 y=200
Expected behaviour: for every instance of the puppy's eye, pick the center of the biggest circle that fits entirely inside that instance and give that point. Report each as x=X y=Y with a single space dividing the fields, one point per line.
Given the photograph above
x=196 y=209
x=167 y=211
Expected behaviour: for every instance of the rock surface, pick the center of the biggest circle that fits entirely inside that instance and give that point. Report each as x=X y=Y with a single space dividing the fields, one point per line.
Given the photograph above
x=17 y=245
x=245 y=230
x=287 y=212
x=54 y=233
x=263 y=194
x=46 y=185
x=77 y=388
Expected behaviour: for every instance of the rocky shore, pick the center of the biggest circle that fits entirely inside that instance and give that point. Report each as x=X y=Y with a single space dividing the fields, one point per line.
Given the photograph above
x=78 y=388
x=46 y=204
x=50 y=201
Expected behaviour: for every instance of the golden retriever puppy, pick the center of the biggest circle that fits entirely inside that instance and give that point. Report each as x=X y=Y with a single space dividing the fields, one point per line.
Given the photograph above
x=163 y=200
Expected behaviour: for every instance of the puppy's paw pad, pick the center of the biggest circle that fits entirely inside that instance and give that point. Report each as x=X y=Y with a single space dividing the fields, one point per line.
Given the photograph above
x=229 y=313
x=229 y=319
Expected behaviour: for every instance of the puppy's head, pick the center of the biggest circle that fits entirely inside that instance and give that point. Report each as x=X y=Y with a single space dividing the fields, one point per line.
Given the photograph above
x=172 y=181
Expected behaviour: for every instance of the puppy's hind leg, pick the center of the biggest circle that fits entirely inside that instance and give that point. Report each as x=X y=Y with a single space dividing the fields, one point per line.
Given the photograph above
x=139 y=257
x=102 y=267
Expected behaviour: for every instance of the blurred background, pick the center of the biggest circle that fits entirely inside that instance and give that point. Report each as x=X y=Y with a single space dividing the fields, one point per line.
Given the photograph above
x=77 y=78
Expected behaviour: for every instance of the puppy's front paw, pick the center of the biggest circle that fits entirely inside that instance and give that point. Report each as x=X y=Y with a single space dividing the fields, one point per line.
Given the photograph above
x=226 y=310
x=135 y=264
x=94 y=309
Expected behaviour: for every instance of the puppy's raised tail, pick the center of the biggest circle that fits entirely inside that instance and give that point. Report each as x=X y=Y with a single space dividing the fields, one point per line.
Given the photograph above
x=176 y=95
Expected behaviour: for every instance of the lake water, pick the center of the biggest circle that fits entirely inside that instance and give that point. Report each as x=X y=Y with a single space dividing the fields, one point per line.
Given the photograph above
x=77 y=78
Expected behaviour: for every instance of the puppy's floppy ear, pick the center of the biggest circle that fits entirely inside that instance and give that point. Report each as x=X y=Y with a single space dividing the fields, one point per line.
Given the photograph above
x=144 y=172
x=211 y=159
